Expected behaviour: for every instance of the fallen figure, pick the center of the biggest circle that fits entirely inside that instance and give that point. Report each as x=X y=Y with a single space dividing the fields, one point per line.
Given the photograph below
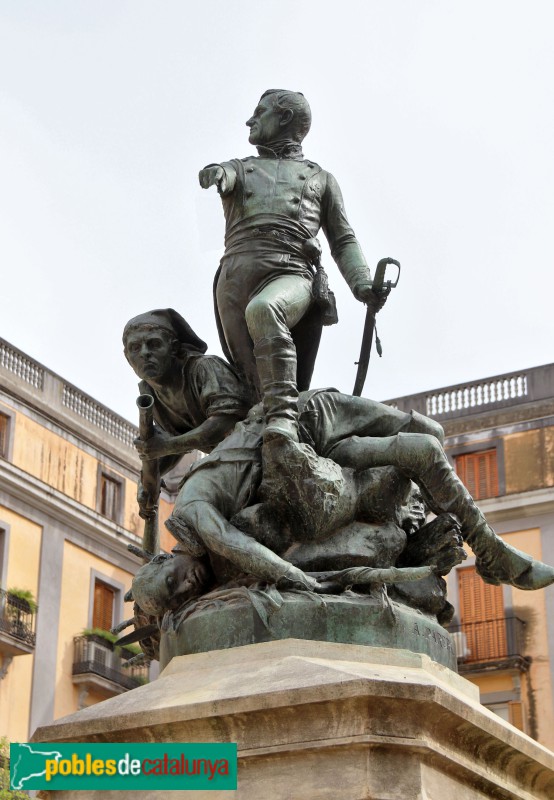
x=306 y=496
x=198 y=399
x=169 y=588
x=309 y=501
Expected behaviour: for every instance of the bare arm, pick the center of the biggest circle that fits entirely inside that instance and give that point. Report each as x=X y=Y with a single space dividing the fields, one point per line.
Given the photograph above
x=205 y=437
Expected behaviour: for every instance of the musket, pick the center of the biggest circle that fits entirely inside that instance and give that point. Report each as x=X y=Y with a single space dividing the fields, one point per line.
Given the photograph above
x=380 y=286
x=150 y=475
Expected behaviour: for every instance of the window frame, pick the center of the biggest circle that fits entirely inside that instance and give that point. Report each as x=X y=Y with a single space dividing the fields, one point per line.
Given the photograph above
x=4 y=553
x=479 y=473
x=512 y=701
x=7 y=455
x=111 y=595
x=105 y=472
x=119 y=590
x=475 y=448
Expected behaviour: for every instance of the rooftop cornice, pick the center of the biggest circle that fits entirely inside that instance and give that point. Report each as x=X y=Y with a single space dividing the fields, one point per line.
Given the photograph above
x=531 y=386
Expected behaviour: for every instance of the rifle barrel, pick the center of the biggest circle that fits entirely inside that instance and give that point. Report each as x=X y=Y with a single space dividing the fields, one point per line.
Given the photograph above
x=150 y=473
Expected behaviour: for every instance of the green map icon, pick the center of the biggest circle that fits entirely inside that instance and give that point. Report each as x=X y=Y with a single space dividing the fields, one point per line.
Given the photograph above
x=28 y=762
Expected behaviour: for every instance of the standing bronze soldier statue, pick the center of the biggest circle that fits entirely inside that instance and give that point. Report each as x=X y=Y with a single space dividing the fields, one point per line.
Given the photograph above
x=311 y=481
x=275 y=204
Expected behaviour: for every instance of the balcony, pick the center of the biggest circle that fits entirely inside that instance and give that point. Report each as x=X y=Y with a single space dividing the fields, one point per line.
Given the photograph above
x=491 y=645
x=475 y=397
x=99 y=666
x=17 y=626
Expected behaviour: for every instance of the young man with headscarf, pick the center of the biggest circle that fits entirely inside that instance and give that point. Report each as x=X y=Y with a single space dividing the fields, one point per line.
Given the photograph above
x=198 y=398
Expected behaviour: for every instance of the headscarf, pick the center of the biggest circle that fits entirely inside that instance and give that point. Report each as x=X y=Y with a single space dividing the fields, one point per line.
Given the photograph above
x=170 y=320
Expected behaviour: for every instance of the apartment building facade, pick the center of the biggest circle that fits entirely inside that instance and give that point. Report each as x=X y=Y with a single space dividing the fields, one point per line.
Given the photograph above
x=500 y=439
x=68 y=480
x=68 y=477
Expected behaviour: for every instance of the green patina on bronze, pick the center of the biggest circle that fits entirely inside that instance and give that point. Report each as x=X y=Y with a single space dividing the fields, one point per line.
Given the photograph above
x=347 y=619
x=307 y=518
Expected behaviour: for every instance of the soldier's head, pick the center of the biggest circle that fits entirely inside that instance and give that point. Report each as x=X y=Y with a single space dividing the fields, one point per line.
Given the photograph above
x=280 y=114
x=168 y=580
x=414 y=510
x=153 y=341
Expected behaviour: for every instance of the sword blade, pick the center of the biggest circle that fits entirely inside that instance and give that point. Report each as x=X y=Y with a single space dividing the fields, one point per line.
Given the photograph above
x=365 y=352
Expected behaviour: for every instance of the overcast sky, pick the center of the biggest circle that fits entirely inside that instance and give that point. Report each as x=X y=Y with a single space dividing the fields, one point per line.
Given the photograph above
x=437 y=119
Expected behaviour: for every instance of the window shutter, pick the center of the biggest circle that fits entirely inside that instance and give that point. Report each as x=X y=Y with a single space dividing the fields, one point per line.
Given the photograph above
x=479 y=473
x=102 y=612
x=482 y=616
x=110 y=498
x=4 y=421
x=516 y=714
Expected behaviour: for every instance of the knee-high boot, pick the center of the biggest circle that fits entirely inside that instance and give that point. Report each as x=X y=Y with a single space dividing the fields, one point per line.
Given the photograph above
x=276 y=365
x=496 y=561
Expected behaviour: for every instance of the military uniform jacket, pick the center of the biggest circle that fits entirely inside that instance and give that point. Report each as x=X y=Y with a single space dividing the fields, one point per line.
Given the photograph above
x=274 y=204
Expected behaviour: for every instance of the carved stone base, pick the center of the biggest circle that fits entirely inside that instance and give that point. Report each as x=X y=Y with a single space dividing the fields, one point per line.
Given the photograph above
x=321 y=721
x=349 y=618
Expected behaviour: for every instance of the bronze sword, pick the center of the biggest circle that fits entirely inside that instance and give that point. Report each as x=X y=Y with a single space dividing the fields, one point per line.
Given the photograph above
x=379 y=286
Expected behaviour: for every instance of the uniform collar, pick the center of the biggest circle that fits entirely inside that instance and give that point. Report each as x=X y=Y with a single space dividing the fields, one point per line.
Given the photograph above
x=282 y=150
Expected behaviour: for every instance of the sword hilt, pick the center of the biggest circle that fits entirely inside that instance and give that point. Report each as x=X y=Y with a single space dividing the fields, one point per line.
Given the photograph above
x=379 y=284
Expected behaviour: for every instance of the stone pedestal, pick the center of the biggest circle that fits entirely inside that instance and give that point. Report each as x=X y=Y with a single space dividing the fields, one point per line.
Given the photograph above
x=324 y=721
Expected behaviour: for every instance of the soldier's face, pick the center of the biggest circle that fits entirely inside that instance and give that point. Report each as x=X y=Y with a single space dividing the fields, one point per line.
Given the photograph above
x=265 y=122
x=158 y=586
x=150 y=353
x=416 y=507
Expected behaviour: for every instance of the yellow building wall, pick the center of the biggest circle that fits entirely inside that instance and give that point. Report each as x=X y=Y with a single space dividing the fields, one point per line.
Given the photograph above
x=496 y=682
x=66 y=467
x=167 y=540
x=22 y=573
x=55 y=461
x=131 y=520
x=536 y=689
x=134 y=523
x=529 y=460
x=75 y=602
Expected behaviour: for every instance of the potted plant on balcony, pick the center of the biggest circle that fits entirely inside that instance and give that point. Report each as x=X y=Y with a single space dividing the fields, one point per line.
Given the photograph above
x=100 y=636
x=17 y=607
x=101 y=656
x=129 y=650
x=24 y=601
x=108 y=639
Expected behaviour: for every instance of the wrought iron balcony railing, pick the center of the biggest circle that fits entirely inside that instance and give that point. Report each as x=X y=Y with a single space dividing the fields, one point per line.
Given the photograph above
x=17 y=619
x=97 y=656
x=489 y=641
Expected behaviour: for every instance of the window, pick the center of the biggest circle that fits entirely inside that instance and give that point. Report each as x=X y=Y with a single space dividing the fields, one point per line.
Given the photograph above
x=482 y=617
x=4 y=435
x=109 y=503
x=110 y=495
x=479 y=473
x=103 y=605
x=510 y=711
x=4 y=534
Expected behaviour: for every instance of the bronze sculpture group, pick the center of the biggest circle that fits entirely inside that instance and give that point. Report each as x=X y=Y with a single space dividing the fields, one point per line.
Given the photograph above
x=302 y=490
